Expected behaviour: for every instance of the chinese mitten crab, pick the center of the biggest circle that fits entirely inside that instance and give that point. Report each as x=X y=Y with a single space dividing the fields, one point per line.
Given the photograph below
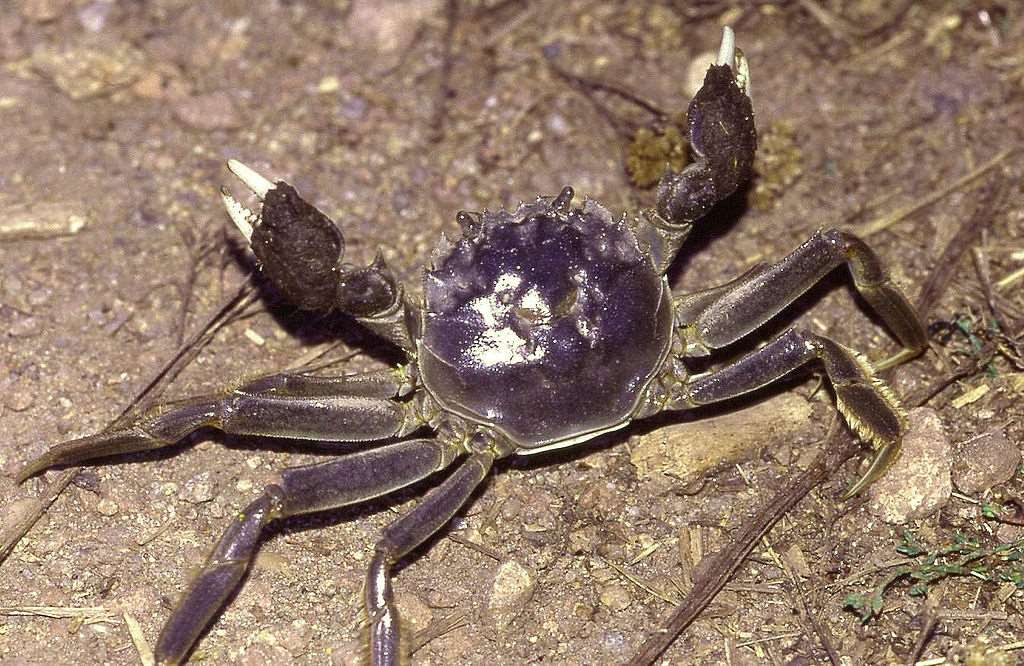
x=540 y=328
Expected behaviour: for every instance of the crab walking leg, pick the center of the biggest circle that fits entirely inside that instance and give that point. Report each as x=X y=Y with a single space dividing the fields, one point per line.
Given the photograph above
x=716 y=318
x=354 y=408
x=328 y=485
x=403 y=535
x=865 y=401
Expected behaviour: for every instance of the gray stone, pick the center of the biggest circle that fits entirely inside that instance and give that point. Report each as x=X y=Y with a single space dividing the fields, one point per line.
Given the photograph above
x=919 y=482
x=512 y=589
x=984 y=461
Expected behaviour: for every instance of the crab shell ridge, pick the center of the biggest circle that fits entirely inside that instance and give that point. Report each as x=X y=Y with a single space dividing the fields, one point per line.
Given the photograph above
x=544 y=324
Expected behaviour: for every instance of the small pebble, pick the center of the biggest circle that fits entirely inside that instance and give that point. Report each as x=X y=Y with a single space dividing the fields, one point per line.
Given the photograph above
x=107 y=507
x=94 y=15
x=512 y=589
x=43 y=11
x=24 y=327
x=19 y=399
x=86 y=71
x=984 y=461
x=414 y=611
x=198 y=489
x=211 y=111
x=615 y=597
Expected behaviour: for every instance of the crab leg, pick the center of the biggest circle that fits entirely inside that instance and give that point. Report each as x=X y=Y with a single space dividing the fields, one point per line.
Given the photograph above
x=401 y=537
x=353 y=478
x=715 y=318
x=300 y=251
x=865 y=401
x=352 y=408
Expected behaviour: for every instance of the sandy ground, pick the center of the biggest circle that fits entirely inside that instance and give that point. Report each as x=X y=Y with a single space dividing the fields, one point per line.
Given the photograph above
x=391 y=117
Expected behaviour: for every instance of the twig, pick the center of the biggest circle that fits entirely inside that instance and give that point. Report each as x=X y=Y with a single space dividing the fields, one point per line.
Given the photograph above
x=588 y=86
x=197 y=250
x=437 y=629
x=139 y=639
x=1005 y=282
x=187 y=352
x=768 y=639
x=85 y=614
x=12 y=533
x=40 y=223
x=931 y=622
x=883 y=223
x=823 y=633
x=478 y=547
x=838 y=449
x=845 y=30
x=642 y=585
x=444 y=88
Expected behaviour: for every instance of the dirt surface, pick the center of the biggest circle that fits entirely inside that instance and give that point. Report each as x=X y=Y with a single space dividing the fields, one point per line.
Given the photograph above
x=391 y=117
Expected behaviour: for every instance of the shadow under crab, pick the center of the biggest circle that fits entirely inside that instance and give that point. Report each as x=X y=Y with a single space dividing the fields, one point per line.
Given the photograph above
x=540 y=328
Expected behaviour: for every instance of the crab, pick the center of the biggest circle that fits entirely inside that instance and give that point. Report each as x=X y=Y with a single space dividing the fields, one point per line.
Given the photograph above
x=540 y=328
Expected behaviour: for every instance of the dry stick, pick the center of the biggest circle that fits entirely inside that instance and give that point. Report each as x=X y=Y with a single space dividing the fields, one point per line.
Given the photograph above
x=444 y=88
x=924 y=636
x=436 y=629
x=13 y=533
x=839 y=448
x=883 y=223
x=824 y=635
x=587 y=87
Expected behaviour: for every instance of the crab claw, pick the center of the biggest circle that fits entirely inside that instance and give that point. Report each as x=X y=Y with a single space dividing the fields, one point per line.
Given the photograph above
x=300 y=250
x=720 y=120
x=244 y=218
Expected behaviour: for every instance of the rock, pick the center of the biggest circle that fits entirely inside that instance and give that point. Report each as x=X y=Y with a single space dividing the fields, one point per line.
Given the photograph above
x=85 y=71
x=984 y=461
x=211 y=111
x=390 y=27
x=615 y=597
x=24 y=327
x=44 y=11
x=264 y=651
x=583 y=541
x=697 y=70
x=107 y=507
x=919 y=482
x=198 y=489
x=512 y=589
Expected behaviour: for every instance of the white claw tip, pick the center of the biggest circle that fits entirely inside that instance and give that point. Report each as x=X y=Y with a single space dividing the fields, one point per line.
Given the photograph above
x=254 y=181
x=727 y=51
x=240 y=215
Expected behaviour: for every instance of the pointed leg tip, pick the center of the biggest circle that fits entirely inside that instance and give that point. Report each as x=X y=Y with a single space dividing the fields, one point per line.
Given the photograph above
x=29 y=470
x=884 y=457
x=252 y=179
